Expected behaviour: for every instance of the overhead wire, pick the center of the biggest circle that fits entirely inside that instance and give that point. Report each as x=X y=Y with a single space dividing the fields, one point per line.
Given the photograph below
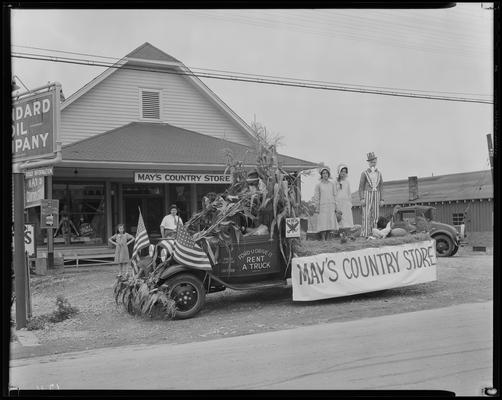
x=236 y=77
x=117 y=59
x=359 y=36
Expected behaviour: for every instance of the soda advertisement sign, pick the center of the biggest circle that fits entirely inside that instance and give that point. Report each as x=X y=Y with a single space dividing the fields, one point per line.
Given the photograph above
x=35 y=121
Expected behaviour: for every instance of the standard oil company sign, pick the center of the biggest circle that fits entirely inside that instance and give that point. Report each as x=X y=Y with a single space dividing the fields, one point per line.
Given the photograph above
x=34 y=125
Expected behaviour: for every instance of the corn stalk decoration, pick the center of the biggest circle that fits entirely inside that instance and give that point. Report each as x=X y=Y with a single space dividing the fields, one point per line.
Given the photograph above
x=277 y=197
x=141 y=294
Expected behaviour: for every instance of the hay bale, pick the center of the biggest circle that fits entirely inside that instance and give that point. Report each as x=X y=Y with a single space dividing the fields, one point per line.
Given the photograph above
x=313 y=247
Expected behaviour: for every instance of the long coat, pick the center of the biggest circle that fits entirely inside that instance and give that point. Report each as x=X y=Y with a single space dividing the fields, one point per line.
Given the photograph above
x=325 y=198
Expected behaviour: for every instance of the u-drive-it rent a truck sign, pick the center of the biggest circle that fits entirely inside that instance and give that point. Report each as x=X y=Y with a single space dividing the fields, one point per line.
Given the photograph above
x=34 y=125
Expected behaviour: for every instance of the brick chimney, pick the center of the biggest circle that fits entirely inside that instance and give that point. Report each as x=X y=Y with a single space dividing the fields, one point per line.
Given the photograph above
x=413 y=188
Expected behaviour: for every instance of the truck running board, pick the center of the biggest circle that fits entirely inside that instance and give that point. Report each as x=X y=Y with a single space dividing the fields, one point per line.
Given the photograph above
x=252 y=285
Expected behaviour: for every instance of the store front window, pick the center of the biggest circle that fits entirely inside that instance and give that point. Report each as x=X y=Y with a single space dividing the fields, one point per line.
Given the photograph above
x=81 y=213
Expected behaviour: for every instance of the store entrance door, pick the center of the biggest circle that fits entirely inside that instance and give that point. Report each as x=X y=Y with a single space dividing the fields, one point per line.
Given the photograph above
x=152 y=210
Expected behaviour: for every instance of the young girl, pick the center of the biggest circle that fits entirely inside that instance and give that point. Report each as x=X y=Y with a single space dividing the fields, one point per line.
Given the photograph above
x=121 y=240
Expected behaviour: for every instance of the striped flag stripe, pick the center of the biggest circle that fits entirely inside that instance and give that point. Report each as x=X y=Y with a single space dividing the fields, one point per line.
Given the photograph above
x=140 y=242
x=189 y=253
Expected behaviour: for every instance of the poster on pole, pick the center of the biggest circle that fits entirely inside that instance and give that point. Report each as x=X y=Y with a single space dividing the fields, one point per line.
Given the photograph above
x=49 y=214
x=35 y=124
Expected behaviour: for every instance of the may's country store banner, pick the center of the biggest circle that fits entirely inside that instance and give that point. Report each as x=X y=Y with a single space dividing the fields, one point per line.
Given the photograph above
x=329 y=275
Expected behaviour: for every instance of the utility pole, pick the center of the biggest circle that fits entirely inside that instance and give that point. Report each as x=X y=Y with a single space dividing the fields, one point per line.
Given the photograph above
x=490 y=151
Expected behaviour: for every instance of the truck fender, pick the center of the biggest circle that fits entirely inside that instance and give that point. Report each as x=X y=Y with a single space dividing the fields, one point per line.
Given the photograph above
x=179 y=268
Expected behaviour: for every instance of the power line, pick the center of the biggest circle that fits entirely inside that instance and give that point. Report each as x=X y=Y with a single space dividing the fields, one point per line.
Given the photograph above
x=452 y=48
x=117 y=59
x=279 y=82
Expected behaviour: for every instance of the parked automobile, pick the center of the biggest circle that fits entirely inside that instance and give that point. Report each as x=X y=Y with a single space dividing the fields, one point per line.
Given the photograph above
x=421 y=218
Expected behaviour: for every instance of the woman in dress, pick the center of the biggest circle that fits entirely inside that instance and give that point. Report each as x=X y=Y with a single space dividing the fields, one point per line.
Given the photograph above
x=325 y=200
x=343 y=197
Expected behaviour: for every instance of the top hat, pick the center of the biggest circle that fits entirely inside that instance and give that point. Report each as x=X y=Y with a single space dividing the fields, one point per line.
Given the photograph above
x=371 y=156
x=252 y=176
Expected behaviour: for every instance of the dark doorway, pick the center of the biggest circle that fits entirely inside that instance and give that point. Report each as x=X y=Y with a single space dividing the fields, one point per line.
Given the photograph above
x=152 y=210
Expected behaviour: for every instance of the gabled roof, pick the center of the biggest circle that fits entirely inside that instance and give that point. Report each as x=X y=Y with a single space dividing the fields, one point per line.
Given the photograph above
x=460 y=186
x=148 y=52
x=163 y=144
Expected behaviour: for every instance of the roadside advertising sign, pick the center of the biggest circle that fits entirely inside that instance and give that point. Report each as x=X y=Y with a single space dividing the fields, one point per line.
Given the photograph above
x=35 y=124
x=34 y=191
x=29 y=240
x=49 y=214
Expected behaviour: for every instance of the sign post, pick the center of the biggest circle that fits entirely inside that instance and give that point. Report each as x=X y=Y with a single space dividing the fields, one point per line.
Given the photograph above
x=35 y=142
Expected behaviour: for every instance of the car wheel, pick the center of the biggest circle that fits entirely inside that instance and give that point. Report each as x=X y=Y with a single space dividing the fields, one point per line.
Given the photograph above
x=444 y=246
x=455 y=249
x=188 y=294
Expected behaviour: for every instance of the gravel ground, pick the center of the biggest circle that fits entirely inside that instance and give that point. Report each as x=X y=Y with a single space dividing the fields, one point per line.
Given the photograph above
x=464 y=278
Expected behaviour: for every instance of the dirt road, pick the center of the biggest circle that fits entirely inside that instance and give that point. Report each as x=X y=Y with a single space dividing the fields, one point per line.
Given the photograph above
x=465 y=278
x=440 y=349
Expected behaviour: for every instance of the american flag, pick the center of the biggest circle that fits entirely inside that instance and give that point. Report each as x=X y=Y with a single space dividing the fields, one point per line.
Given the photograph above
x=140 y=242
x=189 y=253
x=167 y=244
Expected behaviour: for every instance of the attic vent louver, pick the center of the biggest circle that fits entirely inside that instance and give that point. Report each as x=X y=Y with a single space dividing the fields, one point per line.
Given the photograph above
x=150 y=104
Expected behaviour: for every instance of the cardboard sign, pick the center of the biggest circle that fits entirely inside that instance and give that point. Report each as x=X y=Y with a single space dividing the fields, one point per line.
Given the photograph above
x=365 y=270
x=292 y=227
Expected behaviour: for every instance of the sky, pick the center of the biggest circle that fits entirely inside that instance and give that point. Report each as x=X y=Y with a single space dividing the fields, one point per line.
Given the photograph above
x=447 y=52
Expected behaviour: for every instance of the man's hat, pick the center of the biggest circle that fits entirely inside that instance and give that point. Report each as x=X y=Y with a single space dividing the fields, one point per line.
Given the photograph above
x=371 y=156
x=252 y=176
x=173 y=206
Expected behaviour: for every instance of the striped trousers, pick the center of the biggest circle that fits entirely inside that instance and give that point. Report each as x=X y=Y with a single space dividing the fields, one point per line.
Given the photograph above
x=371 y=212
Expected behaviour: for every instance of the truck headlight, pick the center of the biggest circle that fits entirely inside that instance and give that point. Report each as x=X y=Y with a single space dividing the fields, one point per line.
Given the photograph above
x=163 y=255
x=151 y=249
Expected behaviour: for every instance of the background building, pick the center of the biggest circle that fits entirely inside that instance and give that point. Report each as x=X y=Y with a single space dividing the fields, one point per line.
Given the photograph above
x=144 y=134
x=458 y=198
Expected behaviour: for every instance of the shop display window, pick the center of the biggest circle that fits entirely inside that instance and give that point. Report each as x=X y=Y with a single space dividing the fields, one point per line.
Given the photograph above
x=81 y=213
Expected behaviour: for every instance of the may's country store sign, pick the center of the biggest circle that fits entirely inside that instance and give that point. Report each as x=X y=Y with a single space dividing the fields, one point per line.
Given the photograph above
x=35 y=125
x=175 y=177
x=346 y=273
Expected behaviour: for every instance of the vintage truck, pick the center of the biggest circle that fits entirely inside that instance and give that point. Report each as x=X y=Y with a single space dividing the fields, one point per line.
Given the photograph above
x=257 y=262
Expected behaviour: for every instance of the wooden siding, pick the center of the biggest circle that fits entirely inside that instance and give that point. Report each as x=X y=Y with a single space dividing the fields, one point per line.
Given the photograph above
x=479 y=214
x=115 y=102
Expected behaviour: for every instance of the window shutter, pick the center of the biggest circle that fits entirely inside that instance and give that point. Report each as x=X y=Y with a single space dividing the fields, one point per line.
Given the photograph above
x=150 y=102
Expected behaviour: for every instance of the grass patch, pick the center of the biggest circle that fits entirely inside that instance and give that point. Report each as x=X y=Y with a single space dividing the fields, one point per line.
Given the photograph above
x=64 y=310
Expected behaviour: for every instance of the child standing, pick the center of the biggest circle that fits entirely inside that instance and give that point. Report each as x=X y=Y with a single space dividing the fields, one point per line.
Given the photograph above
x=121 y=240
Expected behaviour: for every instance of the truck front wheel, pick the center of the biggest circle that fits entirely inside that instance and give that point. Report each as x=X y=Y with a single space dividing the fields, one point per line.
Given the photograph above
x=188 y=293
x=444 y=246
